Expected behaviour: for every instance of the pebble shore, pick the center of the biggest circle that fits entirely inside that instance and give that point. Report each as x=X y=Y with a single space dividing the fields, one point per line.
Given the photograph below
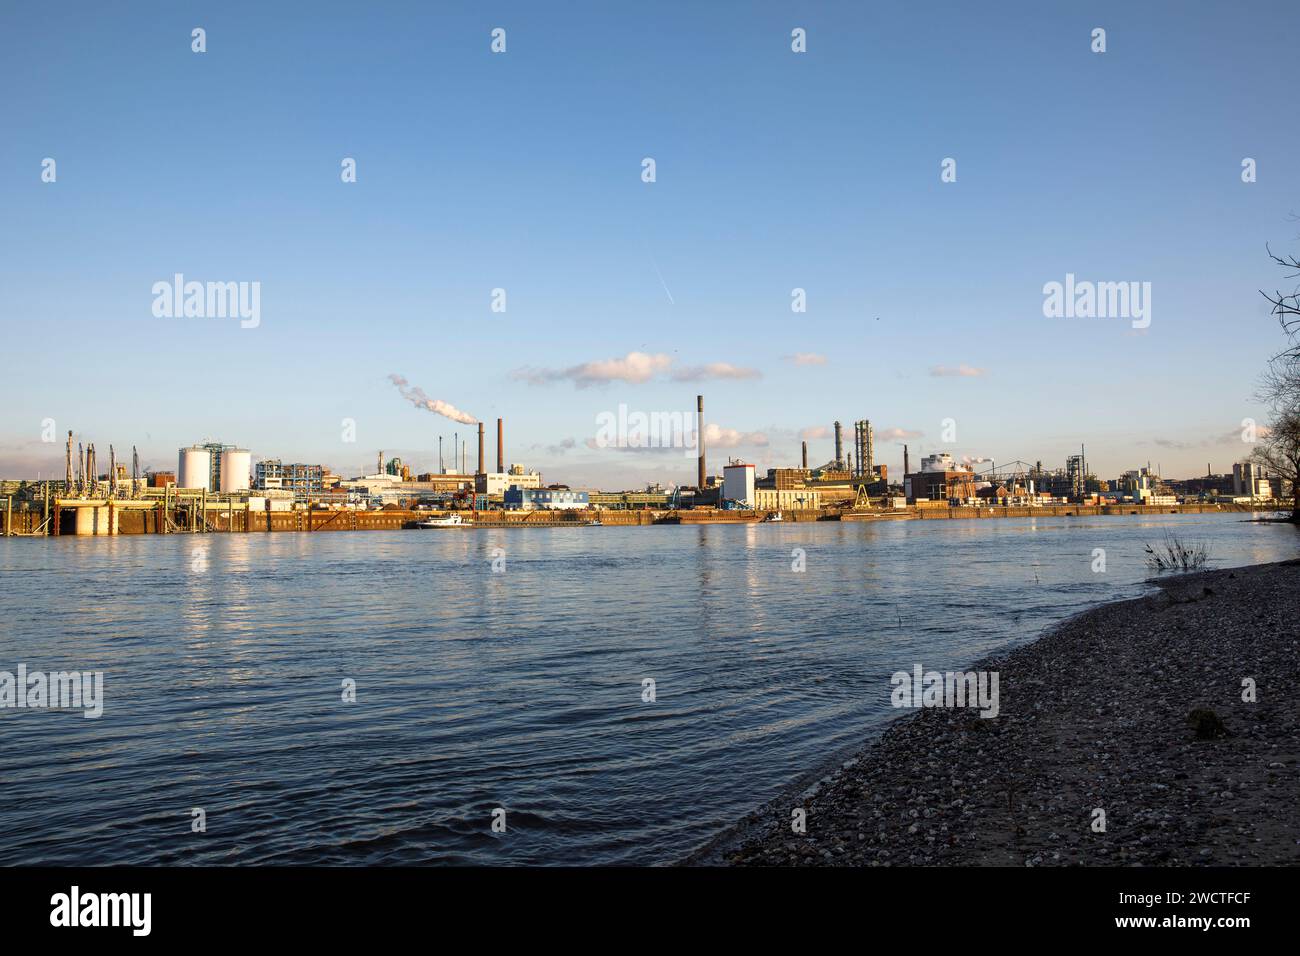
x=1135 y=708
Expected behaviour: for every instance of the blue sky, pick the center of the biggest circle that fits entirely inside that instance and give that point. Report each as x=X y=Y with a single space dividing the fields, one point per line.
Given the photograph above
x=522 y=171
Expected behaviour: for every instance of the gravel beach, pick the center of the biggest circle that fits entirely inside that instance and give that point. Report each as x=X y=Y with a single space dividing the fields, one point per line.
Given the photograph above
x=1135 y=708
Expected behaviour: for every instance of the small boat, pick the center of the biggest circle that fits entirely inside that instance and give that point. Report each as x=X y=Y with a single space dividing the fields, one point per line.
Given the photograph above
x=774 y=516
x=447 y=521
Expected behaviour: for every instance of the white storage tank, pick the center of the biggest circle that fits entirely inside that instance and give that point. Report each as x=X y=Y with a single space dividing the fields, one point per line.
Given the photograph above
x=236 y=463
x=195 y=468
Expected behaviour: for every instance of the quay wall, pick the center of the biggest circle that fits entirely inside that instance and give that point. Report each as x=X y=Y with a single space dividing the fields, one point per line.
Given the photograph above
x=132 y=518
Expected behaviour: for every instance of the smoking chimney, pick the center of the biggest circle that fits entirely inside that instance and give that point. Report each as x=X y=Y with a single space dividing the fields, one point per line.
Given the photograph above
x=699 y=405
x=839 y=446
x=805 y=456
x=501 y=449
x=480 y=448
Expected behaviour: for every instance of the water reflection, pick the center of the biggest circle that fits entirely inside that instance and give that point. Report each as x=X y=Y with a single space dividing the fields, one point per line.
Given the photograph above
x=476 y=688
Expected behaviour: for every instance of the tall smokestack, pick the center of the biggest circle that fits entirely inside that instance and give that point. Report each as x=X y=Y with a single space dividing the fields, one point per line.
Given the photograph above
x=699 y=405
x=906 y=468
x=839 y=446
x=480 y=449
x=805 y=456
x=501 y=448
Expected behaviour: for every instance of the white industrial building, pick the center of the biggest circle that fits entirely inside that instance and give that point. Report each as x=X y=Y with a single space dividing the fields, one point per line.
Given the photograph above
x=738 y=483
x=494 y=483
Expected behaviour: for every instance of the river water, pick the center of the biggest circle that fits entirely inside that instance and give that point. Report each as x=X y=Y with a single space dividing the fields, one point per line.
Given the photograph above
x=225 y=659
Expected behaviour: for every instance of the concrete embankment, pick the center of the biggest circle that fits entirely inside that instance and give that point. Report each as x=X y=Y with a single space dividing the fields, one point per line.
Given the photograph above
x=1174 y=714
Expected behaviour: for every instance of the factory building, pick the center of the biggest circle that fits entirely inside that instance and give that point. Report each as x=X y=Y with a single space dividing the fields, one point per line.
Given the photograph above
x=738 y=483
x=518 y=498
x=785 y=479
x=494 y=484
x=445 y=482
x=1249 y=481
x=631 y=500
x=303 y=480
x=782 y=499
x=940 y=479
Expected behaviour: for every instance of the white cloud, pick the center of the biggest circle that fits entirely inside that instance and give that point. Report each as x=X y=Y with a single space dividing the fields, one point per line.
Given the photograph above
x=715 y=436
x=700 y=373
x=897 y=434
x=635 y=368
x=806 y=358
x=959 y=371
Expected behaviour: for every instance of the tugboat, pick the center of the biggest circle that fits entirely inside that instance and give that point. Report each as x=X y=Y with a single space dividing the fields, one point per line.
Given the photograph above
x=773 y=516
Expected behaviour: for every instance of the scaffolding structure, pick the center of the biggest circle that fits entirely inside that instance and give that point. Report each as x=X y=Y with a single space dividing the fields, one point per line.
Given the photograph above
x=864 y=440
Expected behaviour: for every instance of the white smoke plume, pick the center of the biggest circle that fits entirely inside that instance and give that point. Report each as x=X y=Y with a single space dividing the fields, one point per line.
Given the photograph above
x=415 y=395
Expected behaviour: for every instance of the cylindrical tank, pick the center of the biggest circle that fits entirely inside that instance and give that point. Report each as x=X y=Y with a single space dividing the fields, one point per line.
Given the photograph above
x=195 y=470
x=236 y=463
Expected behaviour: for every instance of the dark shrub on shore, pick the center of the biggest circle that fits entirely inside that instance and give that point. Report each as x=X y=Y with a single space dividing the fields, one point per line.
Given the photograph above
x=1176 y=555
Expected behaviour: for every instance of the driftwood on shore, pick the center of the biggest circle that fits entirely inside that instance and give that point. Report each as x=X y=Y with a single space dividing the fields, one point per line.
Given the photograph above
x=1141 y=709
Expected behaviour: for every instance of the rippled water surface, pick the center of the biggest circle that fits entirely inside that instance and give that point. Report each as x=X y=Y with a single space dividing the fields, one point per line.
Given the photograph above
x=224 y=657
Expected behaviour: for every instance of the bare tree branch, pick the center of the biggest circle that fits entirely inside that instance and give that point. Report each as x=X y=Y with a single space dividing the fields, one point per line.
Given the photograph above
x=1279 y=450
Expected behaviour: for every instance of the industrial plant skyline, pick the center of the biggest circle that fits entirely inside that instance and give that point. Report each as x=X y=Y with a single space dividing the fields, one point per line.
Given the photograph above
x=852 y=449
x=798 y=265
